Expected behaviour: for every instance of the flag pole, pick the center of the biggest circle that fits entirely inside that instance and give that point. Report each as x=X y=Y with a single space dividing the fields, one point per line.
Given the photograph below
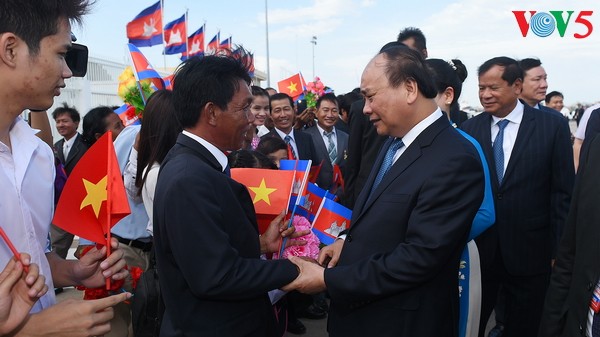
x=108 y=200
x=267 y=36
x=187 y=46
x=162 y=28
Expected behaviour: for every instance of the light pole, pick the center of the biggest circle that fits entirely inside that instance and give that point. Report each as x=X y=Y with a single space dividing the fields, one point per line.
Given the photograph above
x=314 y=43
x=267 y=35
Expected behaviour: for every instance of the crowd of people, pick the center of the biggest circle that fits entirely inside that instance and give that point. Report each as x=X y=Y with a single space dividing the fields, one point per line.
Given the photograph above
x=493 y=199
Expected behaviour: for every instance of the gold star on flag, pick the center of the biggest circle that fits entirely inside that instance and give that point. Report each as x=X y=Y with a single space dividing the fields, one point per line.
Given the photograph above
x=292 y=87
x=96 y=194
x=262 y=192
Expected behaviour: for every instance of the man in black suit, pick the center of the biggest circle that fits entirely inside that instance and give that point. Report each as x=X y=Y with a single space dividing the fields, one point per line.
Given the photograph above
x=68 y=150
x=284 y=117
x=567 y=311
x=364 y=142
x=535 y=84
x=532 y=178
x=331 y=144
x=212 y=279
x=398 y=265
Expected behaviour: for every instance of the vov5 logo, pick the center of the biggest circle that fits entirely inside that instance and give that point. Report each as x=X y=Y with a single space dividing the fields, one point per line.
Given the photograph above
x=543 y=24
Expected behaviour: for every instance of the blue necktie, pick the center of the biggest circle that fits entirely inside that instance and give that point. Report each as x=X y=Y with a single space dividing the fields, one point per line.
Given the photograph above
x=387 y=162
x=287 y=140
x=499 y=151
x=227 y=170
x=596 y=325
x=331 y=151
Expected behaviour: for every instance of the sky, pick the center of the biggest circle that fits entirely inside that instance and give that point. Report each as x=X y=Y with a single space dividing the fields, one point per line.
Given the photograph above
x=350 y=32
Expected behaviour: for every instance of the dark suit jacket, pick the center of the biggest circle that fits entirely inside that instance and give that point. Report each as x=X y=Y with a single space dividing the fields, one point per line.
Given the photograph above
x=397 y=273
x=591 y=130
x=212 y=280
x=363 y=146
x=325 y=178
x=76 y=152
x=576 y=270
x=533 y=200
x=304 y=143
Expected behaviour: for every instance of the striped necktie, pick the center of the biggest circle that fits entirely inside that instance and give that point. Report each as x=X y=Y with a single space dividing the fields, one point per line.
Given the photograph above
x=499 y=151
x=330 y=147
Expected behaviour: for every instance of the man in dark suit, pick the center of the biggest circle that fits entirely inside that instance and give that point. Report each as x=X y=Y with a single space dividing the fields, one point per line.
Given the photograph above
x=284 y=117
x=68 y=150
x=364 y=142
x=532 y=178
x=567 y=311
x=331 y=144
x=591 y=130
x=535 y=84
x=212 y=279
x=398 y=265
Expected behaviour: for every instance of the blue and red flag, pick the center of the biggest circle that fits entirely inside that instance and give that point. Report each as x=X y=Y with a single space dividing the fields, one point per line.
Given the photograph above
x=144 y=70
x=301 y=169
x=226 y=44
x=195 y=44
x=127 y=114
x=331 y=219
x=175 y=35
x=213 y=45
x=145 y=29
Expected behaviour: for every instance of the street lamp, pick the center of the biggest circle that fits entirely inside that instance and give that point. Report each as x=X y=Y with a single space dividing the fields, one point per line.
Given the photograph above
x=314 y=43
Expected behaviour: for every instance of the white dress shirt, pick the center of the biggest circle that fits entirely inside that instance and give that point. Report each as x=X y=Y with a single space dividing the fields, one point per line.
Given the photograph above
x=510 y=131
x=292 y=142
x=413 y=133
x=68 y=145
x=218 y=154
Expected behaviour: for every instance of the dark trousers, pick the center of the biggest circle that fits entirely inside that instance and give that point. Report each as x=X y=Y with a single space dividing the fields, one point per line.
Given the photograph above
x=523 y=295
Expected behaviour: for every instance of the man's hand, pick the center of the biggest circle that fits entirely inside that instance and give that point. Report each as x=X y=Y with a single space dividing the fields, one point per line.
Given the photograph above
x=18 y=292
x=93 y=269
x=269 y=241
x=74 y=318
x=331 y=254
x=305 y=118
x=311 y=279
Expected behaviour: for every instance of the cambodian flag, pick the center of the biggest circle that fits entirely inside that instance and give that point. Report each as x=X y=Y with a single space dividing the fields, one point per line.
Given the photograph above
x=175 y=35
x=143 y=69
x=146 y=28
x=226 y=44
x=195 y=44
x=331 y=219
x=213 y=45
x=127 y=114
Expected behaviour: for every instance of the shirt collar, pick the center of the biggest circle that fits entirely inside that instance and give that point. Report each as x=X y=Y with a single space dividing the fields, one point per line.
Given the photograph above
x=321 y=130
x=515 y=116
x=218 y=154
x=282 y=134
x=422 y=125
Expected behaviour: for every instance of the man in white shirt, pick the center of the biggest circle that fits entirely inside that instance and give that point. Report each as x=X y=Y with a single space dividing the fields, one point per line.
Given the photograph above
x=34 y=39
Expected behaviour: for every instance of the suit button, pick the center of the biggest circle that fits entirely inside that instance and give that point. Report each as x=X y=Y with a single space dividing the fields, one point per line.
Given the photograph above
x=349 y=238
x=499 y=195
x=590 y=286
x=581 y=329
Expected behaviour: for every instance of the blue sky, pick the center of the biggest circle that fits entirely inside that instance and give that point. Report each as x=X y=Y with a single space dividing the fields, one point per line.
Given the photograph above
x=350 y=32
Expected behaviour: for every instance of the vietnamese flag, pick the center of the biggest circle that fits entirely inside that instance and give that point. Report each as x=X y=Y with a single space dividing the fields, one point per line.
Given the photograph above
x=292 y=86
x=331 y=219
x=93 y=199
x=269 y=190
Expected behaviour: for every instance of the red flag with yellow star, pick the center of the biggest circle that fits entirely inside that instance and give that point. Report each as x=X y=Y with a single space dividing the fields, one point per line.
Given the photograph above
x=93 y=199
x=292 y=86
x=269 y=189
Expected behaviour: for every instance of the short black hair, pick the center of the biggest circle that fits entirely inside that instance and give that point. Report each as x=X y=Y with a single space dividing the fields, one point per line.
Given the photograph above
x=512 y=70
x=280 y=96
x=416 y=34
x=66 y=109
x=405 y=63
x=250 y=159
x=552 y=94
x=200 y=80
x=93 y=123
x=269 y=144
x=529 y=63
x=32 y=20
x=330 y=98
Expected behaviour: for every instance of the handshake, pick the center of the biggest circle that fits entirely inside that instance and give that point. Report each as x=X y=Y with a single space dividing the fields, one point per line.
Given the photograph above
x=311 y=277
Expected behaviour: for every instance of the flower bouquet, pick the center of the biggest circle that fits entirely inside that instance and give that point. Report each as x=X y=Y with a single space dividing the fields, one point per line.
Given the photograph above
x=130 y=92
x=314 y=90
x=310 y=249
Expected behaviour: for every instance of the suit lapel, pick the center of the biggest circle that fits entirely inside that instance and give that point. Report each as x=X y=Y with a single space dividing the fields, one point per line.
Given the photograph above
x=73 y=151
x=364 y=194
x=199 y=150
x=523 y=138
x=59 y=151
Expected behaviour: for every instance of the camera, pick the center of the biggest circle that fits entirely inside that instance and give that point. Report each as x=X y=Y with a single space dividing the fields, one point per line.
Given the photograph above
x=77 y=59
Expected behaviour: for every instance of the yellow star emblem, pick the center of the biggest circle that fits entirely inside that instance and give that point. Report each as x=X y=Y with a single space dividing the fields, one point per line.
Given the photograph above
x=292 y=87
x=96 y=194
x=262 y=192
